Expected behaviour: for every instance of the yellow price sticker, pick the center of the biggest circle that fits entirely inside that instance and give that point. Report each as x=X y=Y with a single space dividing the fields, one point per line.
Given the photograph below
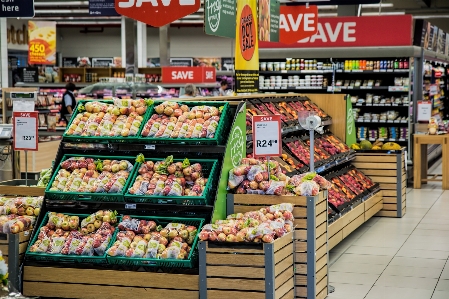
x=37 y=48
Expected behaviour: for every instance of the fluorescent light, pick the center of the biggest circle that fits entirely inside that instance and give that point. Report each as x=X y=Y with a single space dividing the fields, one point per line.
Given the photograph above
x=389 y=13
x=432 y=17
x=327 y=7
x=327 y=15
x=60 y=11
x=377 y=5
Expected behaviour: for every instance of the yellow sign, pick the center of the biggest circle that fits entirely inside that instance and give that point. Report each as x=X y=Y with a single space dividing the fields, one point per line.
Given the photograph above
x=247 y=47
x=42 y=42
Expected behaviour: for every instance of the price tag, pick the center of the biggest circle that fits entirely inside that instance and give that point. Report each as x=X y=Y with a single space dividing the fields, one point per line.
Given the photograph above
x=267 y=136
x=25 y=131
x=150 y=147
x=131 y=206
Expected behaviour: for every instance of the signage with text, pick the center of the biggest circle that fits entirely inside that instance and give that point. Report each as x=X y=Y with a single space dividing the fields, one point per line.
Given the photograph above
x=369 y=31
x=219 y=17
x=157 y=13
x=269 y=20
x=42 y=42
x=102 y=8
x=188 y=74
x=17 y=9
x=297 y=23
x=267 y=136
x=25 y=131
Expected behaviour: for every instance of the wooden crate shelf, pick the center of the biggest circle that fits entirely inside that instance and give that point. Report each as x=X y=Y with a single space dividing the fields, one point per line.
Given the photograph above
x=388 y=169
x=247 y=270
x=346 y=224
x=311 y=280
x=96 y=283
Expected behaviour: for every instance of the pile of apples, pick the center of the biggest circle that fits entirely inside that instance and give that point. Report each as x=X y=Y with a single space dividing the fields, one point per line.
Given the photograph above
x=19 y=214
x=122 y=118
x=63 y=234
x=264 y=225
x=80 y=174
x=145 y=239
x=254 y=176
x=173 y=120
x=169 y=178
x=307 y=184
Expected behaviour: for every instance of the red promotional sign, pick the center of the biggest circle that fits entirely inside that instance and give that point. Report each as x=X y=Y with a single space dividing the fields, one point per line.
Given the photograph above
x=156 y=13
x=267 y=140
x=297 y=22
x=183 y=74
x=372 y=31
x=25 y=127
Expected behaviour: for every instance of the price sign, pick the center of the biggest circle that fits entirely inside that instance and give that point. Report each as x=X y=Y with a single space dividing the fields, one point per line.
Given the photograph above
x=25 y=131
x=267 y=136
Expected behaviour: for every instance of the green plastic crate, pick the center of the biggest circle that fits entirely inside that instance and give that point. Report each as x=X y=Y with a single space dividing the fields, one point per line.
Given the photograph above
x=63 y=258
x=87 y=196
x=104 y=139
x=219 y=137
x=209 y=169
x=190 y=262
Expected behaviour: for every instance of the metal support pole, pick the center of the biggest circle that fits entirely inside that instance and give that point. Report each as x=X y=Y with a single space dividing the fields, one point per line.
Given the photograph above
x=202 y=269
x=164 y=46
x=26 y=168
x=312 y=150
x=229 y=204
x=269 y=271
x=141 y=44
x=399 y=185
x=130 y=45
x=13 y=262
x=311 y=247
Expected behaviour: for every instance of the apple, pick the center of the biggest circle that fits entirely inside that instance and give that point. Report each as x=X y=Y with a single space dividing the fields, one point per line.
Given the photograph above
x=30 y=211
x=90 y=227
x=65 y=225
x=15 y=229
x=173 y=233
x=13 y=210
x=204 y=236
x=221 y=237
x=21 y=211
x=115 y=168
x=97 y=224
x=231 y=238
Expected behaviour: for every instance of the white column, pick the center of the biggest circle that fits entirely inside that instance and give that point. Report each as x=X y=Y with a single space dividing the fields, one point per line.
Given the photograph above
x=4 y=52
x=141 y=44
x=123 y=42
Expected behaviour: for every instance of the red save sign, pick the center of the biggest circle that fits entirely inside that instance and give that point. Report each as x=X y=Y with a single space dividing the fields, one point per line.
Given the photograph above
x=267 y=140
x=183 y=74
x=297 y=22
x=156 y=13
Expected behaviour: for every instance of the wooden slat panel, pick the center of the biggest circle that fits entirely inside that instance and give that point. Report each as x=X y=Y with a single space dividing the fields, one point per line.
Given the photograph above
x=230 y=284
x=371 y=202
x=237 y=259
x=384 y=179
x=283 y=253
x=321 y=218
x=353 y=225
x=335 y=239
x=21 y=191
x=321 y=251
x=388 y=186
x=387 y=214
x=370 y=172
x=321 y=285
x=289 y=295
x=320 y=274
x=284 y=277
x=388 y=200
x=300 y=223
x=301 y=234
x=335 y=227
x=375 y=158
x=371 y=212
x=320 y=263
x=268 y=200
x=233 y=250
x=216 y=294
x=300 y=246
x=363 y=165
x=321 y=207
x=322 y=294
x=281 y=266
x=301 y=257
x=321 y=241
x=280 y=243
x=389 y=192
x=285 y=288
x=349 y=217
x=85 y=291
x=243 y=272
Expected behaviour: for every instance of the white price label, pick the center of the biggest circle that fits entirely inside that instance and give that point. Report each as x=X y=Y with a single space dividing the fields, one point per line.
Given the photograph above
x=267 y=136
x=25 y=131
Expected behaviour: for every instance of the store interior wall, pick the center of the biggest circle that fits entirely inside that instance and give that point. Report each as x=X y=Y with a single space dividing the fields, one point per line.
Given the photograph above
x=185 y=42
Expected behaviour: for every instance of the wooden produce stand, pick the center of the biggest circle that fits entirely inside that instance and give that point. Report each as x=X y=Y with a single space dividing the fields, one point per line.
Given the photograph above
x=347 y=223
x=13 y=188
x=256 y=270
x=310 y=237
x=388 y=168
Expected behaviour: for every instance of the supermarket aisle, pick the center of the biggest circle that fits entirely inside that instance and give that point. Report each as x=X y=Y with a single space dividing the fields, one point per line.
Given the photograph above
x=397 y=258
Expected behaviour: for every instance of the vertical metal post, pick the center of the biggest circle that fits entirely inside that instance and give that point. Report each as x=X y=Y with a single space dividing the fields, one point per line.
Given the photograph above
x=130 y=44
x=311 y=247
x=202 y=269
x=164 y=46
x=13 y=262
x=141 y=44
x=399 y=185
x=4 y=55
x=312 y=150
x=270 y=288
x=229 y=204
x=26 y=168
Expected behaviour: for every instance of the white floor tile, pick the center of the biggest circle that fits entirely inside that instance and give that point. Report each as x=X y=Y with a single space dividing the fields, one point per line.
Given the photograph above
x=365 y=259
x=372 y=250
x=394 y=270
x=408 y=282
x=349 y=290
x=443 y=285
x=382 y=292
x=417 y=262
x=353 y=278
x=428 y=254
x=357 y=268
x=440 y=295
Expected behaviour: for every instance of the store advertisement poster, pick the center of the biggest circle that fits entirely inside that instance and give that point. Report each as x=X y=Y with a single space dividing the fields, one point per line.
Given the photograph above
x=104 y=8
x=214 y=62
x=247 y=48
x=235 y=151
x=227 y=63
x=446 y=51
x=269 y=20
x=441 y=43
x=219 y=17
x=368 y=31
x=297 y=22
x=351 y=136
x=422 y=33
x=42 y=42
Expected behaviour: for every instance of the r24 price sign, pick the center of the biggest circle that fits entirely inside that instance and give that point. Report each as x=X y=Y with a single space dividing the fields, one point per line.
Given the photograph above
x=25 y=131
x=267 y=140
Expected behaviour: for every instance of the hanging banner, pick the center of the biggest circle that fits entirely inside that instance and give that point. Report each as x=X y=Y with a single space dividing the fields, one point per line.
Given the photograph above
x=297 y=23
x=269 y=20
x=372 y=31
x=219 y=17
x=42 y=42
x=351 y=136
x=247 y=48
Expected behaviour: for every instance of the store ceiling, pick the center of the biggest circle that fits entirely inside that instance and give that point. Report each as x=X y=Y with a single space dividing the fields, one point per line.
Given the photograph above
x=70 y=12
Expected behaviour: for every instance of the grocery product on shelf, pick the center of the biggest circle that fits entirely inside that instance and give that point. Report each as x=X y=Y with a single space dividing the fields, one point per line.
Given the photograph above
x=44 y=177
x=264 y=225
x=19 y=214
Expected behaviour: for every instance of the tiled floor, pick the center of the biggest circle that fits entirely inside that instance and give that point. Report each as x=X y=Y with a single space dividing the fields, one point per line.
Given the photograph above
x=389 y=258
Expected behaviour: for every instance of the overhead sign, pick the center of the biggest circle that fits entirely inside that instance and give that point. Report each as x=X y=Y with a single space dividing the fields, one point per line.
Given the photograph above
x=157 y=13
x=102 y=8
x=246 y=48
x=25 y=131
x=269 y=20
x=173 y=74
x=372 y=31
x=335 y=2
x=17 y=9
x=297 y=23
x=267 y=136
x=42 y=42
x=219 y=17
